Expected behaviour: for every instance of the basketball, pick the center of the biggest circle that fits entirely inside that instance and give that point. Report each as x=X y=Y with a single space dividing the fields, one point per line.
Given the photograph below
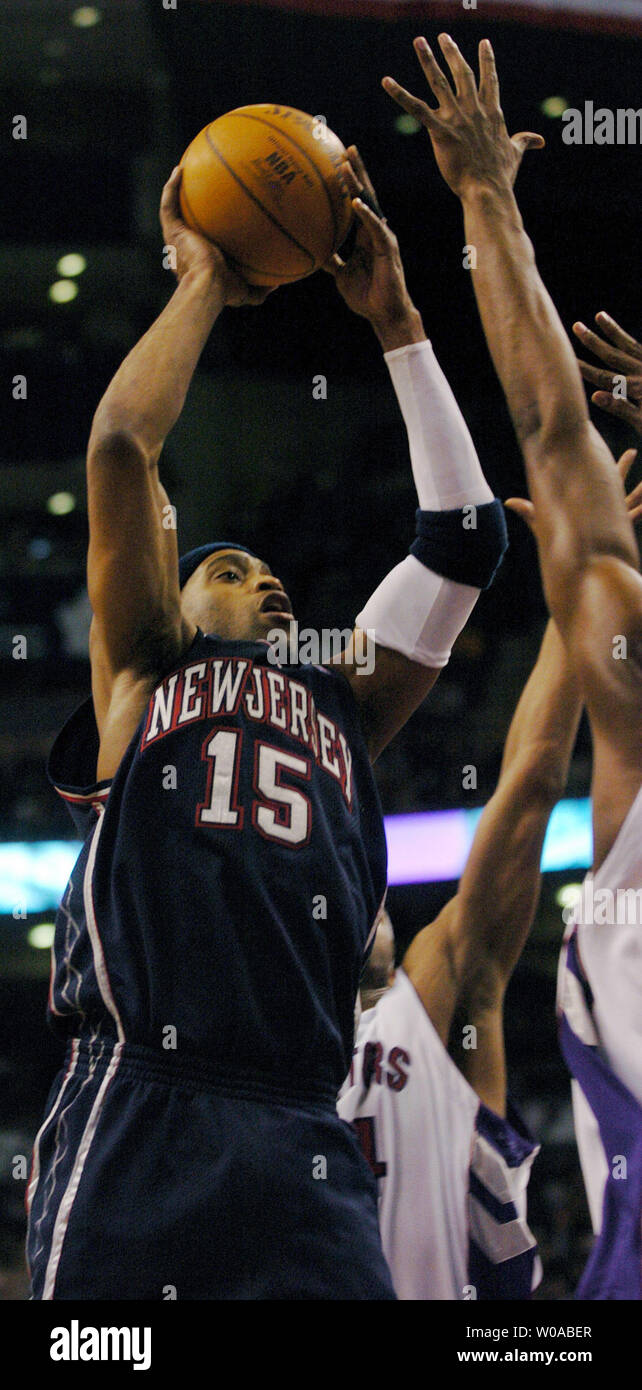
x=264 y=182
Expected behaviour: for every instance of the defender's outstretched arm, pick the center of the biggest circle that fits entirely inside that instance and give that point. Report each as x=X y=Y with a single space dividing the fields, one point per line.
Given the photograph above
x=587 y=548
x=460 y=964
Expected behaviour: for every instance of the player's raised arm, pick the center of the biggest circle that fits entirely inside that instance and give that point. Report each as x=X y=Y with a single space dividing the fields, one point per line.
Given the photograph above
x=133 y=560
x=422 y=605
x=460 y=965
x=587 y=548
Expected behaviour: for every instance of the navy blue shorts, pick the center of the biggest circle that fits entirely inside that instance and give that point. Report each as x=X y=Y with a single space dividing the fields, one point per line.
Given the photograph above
x=154 y=1179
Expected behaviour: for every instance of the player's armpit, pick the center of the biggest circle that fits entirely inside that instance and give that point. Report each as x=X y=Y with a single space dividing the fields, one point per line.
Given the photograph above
x=580 y=510
x=606 y=647
x=430 y=966
x=387 y=686
x=463 y=997
x=100 y=675
x=605 y=641
x=462 y=991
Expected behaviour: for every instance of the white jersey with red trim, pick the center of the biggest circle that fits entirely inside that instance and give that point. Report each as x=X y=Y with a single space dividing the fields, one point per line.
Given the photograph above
x=451 y=1175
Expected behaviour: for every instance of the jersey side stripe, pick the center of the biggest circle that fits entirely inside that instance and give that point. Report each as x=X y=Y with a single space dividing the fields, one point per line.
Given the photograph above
x=64 y=1210
x=373 y=929
x=505 y=1240
x=571 y=994
x=35 y=1167
x=94 y=935
x=490 y=1168
x=500 y=1211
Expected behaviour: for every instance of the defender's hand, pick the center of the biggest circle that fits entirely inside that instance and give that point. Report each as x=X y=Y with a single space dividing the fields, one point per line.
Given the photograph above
x=194 y=252
x=624 y=359
x=467 y=129
x=372 y=280
x=521 y=506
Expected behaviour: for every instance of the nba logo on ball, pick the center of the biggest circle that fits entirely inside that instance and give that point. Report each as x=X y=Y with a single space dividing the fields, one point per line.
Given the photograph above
x=265 y=183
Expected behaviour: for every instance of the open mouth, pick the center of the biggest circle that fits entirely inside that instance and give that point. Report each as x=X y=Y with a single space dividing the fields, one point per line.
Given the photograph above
x=276 y=602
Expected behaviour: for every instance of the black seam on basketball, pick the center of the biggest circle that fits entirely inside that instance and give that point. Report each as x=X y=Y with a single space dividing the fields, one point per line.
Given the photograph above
x=259 y=205
x=236 y=264
x=245 y=116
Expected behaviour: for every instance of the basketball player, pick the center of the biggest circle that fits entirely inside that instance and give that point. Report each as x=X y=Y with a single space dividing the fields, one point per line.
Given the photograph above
x=427 y=1084
x=590 y=570
x=210 y=941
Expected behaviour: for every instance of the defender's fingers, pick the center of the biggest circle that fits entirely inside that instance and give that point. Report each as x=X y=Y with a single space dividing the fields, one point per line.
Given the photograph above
x=596 y=375
x=624 y=466
x=617 y=335
x=613 y=406
x=488 y=79
x=528 y=140
x=620 y=361
x=463 y=75
x=436 y=79
x=422 y=113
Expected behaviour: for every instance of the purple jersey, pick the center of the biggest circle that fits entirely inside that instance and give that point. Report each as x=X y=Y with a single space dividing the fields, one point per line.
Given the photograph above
x=608 y=1121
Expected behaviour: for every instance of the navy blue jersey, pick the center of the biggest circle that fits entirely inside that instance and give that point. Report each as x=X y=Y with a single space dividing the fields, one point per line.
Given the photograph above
x=231 y=871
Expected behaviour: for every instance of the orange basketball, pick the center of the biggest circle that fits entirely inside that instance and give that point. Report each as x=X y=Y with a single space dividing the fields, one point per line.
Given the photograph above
x=264 y=183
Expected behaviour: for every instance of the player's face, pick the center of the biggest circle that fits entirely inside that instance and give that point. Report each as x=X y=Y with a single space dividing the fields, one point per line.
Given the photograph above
x=236 y=596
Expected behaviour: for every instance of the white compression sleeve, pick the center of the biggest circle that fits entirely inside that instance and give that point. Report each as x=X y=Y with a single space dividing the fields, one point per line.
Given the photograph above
x=416 y=612
x=445 y=465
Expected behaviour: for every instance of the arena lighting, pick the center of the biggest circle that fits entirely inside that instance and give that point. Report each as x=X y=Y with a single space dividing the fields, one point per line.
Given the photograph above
x=568 y=895
x=62 y=291
x=39 y=548
x=34 y=874
x=433 y=846
x=61 y=503
x=554 y=107
x=406 y=124
x=71 y=264
x=425 y=847
x=41 y=937
x=86 y=16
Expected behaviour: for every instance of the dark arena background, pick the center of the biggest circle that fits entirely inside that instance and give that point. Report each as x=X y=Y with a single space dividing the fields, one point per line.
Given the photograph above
x=322 y=488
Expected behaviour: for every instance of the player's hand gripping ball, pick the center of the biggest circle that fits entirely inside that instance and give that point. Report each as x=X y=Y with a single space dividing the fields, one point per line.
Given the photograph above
x=265 y=184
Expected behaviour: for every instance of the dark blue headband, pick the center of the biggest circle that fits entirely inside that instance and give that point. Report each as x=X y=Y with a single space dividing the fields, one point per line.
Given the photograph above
x=190 y=562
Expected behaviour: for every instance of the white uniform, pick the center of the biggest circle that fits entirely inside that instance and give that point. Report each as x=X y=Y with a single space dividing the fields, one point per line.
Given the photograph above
x=600 y=1008
x=451 y=1175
